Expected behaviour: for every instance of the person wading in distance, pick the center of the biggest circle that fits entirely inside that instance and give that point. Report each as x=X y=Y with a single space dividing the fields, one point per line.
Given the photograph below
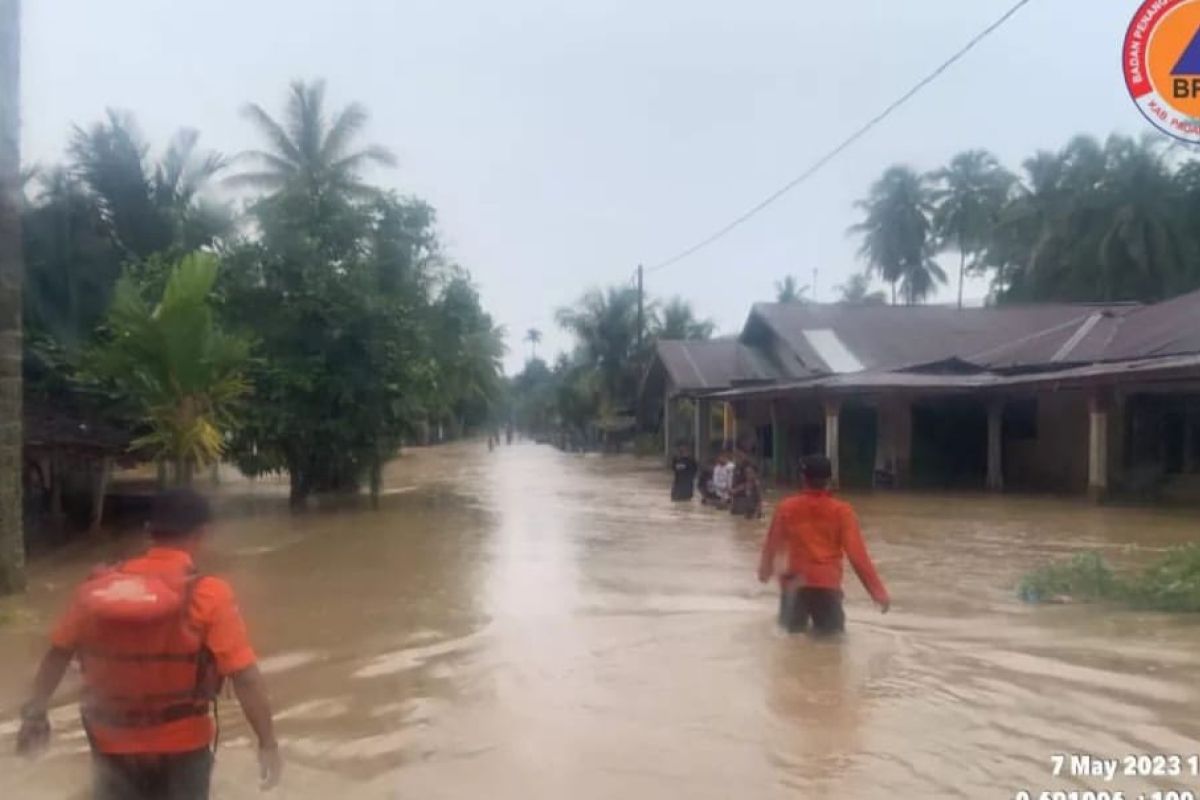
x=155 y=640
x=815 y=531
x=684 y=469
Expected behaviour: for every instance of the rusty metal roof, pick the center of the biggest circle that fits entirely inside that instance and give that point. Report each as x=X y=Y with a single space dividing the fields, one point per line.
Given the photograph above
x=1168 y=328
x=712 y=364
x=1157 y=369
x=835 y=348
x=900 y=337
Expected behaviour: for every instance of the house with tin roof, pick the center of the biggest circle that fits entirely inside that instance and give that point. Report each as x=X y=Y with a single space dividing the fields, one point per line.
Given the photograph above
x=1070 y=398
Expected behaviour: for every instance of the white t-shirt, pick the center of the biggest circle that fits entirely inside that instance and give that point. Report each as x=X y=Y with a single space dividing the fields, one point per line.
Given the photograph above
x=723 y=477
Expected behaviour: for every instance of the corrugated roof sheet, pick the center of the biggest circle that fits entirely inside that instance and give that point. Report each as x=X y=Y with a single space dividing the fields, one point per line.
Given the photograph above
x=896 y=337
x=1168 y=328
x=941 y=348
x=1170 y=367
x=713 y=364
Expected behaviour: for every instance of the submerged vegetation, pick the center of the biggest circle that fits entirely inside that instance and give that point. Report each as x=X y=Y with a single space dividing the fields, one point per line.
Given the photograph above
x=1172 y=583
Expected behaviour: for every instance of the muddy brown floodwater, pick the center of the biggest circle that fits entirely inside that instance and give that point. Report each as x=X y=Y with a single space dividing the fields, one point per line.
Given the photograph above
x=532 y=624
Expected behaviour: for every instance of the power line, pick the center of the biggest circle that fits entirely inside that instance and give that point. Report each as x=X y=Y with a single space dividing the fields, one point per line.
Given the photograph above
x=846 y=143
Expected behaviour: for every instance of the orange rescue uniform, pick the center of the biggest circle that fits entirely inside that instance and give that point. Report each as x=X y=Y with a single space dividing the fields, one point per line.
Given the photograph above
x=213 y=611
x=815 y=529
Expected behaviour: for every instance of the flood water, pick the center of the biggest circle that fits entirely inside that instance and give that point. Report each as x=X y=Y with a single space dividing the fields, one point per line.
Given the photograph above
x=533 y=624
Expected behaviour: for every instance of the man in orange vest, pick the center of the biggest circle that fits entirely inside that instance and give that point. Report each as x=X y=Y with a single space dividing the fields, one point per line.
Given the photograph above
x=816 y=531
x=154 y=640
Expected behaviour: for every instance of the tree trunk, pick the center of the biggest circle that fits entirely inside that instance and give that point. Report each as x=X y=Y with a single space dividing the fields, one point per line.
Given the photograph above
x=161 y=466
x=99 y=491
x=962 y=271
x=12 y=535
x=893 y=293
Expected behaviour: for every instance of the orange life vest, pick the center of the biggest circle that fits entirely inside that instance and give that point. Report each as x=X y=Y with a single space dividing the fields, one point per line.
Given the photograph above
x=143 y=659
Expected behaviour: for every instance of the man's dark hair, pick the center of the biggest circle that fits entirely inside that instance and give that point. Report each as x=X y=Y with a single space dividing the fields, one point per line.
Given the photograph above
x=177 y=513
x=817 y=470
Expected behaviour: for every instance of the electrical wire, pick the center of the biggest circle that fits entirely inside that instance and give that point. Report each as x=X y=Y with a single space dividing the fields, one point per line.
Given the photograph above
x=845 y=144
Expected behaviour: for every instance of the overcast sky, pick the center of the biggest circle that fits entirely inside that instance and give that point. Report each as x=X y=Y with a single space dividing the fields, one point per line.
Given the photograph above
x=565 y=142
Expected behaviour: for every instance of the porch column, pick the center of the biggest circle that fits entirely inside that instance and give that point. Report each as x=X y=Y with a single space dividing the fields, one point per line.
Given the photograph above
x=1097 y=446
x=703 y=426
x=666 y=425
x=833 y=410
x=733 y=426
x=778 y=458
x=995 y=447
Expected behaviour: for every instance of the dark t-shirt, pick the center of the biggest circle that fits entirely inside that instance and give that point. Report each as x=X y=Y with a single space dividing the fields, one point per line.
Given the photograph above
x=685 y=469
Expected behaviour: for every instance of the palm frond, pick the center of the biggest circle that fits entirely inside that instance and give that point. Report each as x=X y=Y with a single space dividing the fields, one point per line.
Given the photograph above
x=375 y=154
x=348 y=124
x=274 y=132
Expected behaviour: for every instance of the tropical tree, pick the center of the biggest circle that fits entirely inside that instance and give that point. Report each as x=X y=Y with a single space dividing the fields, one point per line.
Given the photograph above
x=1147 y=247
x=789 y=290
x=310 y=154
x=968 y=198
x=468 y=348
x=533 y=395
x=12 y=541
x=605 y=326
x=1098 y=222
x=534 y=337
x=677 y=320
x=857 y=292
x=173 y=363
x=897 y=238
x=345 y=368
x=149 y=208
x=71 y=264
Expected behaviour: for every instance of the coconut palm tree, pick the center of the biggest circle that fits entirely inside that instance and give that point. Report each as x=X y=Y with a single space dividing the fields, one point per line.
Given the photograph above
x=789 y=290
x=12 y=540
x=534 y=337
x=857 y=292
x=897 y=236
x=970 y=193
x=677 y=320
x=183 y=374
x=605 y=327
x=71 y=265
x=1097 y=222
x=148 y=207
x=1146 y=245
x=309 y=153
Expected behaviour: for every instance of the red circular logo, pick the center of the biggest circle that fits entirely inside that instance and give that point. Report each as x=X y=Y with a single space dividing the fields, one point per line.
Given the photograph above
x=1161 y=61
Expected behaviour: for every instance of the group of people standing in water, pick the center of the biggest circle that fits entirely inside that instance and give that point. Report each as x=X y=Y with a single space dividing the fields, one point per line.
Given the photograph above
x=729 y=482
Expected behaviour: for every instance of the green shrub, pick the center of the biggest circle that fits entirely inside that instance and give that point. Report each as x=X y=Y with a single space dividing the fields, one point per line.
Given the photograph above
x=1171 y=583
x=1085 y=577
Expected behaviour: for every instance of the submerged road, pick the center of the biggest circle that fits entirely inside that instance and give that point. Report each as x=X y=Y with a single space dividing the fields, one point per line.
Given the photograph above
x=533 y=624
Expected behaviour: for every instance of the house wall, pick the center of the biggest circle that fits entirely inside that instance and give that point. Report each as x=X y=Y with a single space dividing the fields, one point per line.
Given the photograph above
x=893 y=451
x=1056 y=460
